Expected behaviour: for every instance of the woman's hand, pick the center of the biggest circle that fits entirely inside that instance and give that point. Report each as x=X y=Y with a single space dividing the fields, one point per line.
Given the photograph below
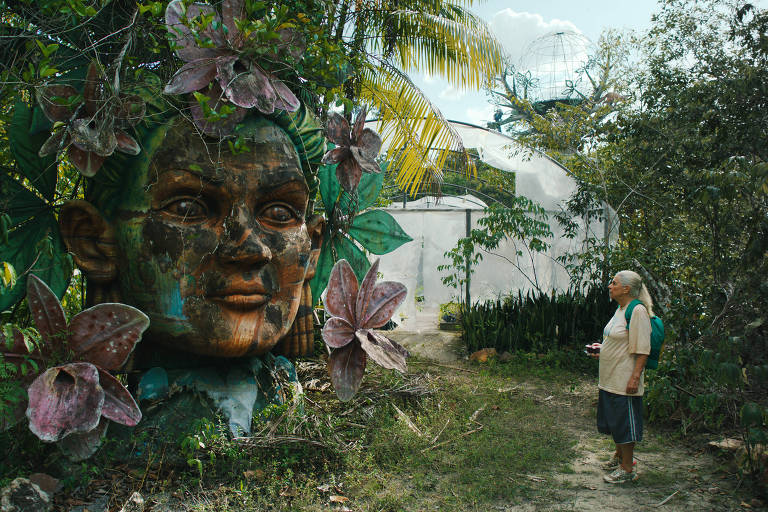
x=633 y=384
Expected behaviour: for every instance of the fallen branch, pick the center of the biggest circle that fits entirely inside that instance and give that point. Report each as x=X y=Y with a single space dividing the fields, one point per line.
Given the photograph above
x=475 y=414
x=662 y=502
x=277 y=440
x=684 y=390
x=444 y=366
x=465 y=434
x=441 y=431
x=408 y=421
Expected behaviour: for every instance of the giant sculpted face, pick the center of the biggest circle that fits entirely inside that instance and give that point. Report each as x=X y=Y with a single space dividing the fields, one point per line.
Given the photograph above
x=212 y=246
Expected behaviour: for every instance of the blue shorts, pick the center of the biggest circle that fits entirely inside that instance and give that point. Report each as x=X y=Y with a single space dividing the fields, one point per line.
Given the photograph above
x=620 y=416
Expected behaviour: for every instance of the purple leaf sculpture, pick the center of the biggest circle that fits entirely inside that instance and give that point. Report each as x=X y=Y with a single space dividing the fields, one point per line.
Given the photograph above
x=93 y=128
x=73 y=399
x=354 y=152
x=355 y=312
x=229 y=61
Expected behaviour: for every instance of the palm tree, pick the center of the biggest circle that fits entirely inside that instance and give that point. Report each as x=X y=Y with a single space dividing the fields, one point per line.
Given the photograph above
x=392 y=38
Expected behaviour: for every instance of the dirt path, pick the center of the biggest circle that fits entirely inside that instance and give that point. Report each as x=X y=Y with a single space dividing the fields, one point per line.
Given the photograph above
x=673 y=476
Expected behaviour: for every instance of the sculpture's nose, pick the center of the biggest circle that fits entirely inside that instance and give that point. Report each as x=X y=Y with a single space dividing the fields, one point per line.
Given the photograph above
x=242 y=239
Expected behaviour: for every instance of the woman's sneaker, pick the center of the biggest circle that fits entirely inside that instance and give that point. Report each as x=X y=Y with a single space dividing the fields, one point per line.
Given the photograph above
x=615 y=462
x=619 y=476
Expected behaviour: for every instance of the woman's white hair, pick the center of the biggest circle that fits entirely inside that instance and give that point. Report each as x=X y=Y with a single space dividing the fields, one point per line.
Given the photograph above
x=637 y=289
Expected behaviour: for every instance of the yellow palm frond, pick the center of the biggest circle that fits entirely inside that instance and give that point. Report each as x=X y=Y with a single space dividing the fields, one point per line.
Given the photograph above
x=453 y=44
x=417 y=136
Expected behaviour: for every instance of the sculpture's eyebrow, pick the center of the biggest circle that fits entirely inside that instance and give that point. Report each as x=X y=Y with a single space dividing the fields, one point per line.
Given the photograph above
x=295 y=184
x=207 y=173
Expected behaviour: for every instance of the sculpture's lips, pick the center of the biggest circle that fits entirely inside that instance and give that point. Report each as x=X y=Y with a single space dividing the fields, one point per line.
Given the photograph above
x=241 y=297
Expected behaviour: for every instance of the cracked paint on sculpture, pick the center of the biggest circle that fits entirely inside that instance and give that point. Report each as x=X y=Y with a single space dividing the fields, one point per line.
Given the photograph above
x=214 y=246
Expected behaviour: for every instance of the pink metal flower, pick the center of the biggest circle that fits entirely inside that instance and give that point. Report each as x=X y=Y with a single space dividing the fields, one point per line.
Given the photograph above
x=94 y=128
x=349 y=331
x=220 y=51
x=354 y=152
x=69 y=400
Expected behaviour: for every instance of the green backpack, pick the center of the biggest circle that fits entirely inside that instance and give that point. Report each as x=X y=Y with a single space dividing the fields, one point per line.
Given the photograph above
x=657 y=335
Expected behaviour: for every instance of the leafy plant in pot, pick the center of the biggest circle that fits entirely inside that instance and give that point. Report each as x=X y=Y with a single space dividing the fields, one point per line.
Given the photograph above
x=71 y=393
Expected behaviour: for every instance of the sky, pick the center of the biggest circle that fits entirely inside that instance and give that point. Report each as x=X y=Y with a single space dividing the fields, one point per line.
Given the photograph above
x=517 y=23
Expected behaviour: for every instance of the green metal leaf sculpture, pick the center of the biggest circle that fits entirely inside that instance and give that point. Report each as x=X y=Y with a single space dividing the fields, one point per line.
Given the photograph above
x=376 y=231
x=25 y=144
x=34 y=241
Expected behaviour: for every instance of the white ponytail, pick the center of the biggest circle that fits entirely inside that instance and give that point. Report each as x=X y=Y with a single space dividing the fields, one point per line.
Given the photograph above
x=637 y=289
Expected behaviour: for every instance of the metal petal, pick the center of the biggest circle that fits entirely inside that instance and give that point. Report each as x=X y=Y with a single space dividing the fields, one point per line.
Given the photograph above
x=192 y=76
x=77 y=447
x=50 y=99
x=369 y=143
x=366 y=290
x=96 y=135
x=119 y=405
x=53 y=143
x=367 y=165
x=385 y=299
x=336 y=155
x=337 y=130
x=47 y=313
x=126 y=143
x=93 y=89
x=245 y=85
x=346 y=366
x=383 y=350
x=63 y=400
x=84 y=161
x=357 y=130
x=182 y=37
x=106 y=334
x=337 y=332
x=342 y=292
x=348 y=172
x=231 y=10
x=285 y=99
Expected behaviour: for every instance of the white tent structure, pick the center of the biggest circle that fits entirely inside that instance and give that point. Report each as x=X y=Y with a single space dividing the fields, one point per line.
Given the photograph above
x=436 y=226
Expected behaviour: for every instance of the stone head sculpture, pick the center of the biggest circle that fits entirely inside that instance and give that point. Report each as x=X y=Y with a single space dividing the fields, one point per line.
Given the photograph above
x=216 y=247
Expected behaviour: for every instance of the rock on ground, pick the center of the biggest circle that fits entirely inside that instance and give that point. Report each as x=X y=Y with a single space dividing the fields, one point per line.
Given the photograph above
x=22 y=495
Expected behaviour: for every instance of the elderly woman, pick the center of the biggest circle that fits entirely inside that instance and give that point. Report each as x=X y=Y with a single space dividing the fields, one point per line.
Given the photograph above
x=622 y=356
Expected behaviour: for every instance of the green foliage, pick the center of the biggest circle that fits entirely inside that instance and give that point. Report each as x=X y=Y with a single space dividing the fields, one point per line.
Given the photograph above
x=536 y=322
x=524 y=221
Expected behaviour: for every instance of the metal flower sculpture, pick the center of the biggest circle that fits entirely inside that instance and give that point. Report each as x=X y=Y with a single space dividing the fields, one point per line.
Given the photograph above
x=70 y=402
x=93 y=128
x=220 y=50
x=349 y=332
x=354 y=152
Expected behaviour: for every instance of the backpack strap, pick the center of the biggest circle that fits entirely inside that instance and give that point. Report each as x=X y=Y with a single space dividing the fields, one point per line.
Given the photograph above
x=628 y=311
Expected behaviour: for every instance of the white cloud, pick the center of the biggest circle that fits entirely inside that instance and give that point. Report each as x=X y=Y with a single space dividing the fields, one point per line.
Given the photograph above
x=479 y=116
x=450 y=93
x=516 y=30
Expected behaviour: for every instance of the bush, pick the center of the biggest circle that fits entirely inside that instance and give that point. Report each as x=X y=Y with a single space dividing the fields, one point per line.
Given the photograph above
x=537 y=323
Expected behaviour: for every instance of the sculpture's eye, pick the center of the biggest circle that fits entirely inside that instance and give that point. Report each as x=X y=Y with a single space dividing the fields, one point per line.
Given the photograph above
x=278 y=214
x=186 y=208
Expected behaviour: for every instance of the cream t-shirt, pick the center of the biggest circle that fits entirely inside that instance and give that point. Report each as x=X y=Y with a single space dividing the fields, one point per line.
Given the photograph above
x=617 y=355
